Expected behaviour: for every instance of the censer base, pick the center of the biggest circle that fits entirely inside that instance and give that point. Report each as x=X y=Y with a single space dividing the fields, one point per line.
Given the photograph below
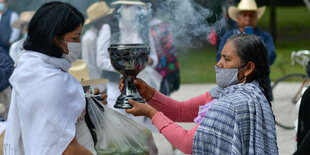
x=123 y=103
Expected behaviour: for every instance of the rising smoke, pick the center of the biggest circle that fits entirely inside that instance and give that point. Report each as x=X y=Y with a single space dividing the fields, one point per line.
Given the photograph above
x=187 y=21
x=186 y=18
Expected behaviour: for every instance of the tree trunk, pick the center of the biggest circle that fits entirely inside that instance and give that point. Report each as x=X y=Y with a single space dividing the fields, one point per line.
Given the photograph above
x=273 y=26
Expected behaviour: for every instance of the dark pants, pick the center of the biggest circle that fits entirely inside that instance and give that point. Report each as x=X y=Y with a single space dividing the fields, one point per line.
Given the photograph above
x=170 y=83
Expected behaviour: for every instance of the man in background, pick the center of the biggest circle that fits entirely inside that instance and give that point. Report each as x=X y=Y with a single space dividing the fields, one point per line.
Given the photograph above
x=246 y=15
x=8 y=34
x=130 y=30
x=98 y=14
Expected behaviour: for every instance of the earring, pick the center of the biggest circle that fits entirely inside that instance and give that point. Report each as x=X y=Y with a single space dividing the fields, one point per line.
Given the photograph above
x=244 y=80
x=63 y=49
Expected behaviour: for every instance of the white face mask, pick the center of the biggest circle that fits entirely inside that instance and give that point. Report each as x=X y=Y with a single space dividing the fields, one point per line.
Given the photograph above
x=75 y=49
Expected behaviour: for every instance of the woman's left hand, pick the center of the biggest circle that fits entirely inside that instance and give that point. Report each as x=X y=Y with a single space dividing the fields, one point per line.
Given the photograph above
x=96 y=91
x=103 y=98
x=150 y=61
x=141 y=109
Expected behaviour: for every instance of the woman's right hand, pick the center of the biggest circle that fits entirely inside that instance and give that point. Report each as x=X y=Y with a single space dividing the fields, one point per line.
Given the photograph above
x=141 y=109
x=144 y=89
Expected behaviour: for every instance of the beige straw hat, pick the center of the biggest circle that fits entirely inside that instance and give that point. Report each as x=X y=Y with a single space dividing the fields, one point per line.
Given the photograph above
x=245 y=5
x=97 y=10
x=128 y=2
x=25 y=17
x=79 y=70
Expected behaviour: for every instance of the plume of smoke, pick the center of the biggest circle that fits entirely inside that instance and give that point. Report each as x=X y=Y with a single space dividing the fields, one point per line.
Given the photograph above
x=187 y=21
x=186 y=18
x=133 y=19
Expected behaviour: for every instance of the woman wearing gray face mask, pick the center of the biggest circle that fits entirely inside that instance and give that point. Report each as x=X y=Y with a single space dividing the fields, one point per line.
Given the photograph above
x=227 y=76
x=239 y=120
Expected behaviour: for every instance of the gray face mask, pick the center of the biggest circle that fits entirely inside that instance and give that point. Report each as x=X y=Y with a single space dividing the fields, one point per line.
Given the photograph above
x=227 y=76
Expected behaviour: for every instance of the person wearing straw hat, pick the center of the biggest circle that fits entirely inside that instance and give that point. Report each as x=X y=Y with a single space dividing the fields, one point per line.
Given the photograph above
x=130 y=31
x=8 y=34
x=21 y=24
x=98 y=14
x=246 y=14
x=128 y=2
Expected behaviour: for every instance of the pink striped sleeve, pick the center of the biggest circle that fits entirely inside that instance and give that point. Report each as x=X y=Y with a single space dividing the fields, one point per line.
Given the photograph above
x=177 y=111
x=175 y=134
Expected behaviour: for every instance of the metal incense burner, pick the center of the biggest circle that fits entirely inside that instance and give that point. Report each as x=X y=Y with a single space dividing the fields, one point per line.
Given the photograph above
x=129 y=60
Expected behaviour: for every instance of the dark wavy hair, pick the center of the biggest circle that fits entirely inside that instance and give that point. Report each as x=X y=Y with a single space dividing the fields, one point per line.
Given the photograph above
x=251 y=48
x=52 y=19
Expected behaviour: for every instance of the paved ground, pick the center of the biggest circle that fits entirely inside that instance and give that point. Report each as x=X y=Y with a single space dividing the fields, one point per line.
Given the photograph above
x=286 y=138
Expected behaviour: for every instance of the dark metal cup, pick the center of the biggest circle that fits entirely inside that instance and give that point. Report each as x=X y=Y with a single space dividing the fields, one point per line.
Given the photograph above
x=129 y=60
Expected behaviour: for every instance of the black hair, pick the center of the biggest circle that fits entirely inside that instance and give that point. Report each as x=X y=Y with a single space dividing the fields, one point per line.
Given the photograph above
x=251 y=48
x=52 y=19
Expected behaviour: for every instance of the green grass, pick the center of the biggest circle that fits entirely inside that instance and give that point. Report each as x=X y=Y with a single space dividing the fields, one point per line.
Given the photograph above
x=282 y=65
x=296 y=17
x=293 y=33
x=197 y=65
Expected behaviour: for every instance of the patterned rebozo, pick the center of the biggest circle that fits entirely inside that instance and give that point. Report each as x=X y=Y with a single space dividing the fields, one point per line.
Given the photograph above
x=239 y=122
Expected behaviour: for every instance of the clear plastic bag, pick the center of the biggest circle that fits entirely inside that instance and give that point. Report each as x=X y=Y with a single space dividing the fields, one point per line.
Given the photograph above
x=117 y=134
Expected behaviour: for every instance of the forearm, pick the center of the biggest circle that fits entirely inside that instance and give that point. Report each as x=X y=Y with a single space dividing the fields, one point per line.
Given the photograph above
x=175 y=134
x=103 y=57
x=177 y=111
x=104 y=63
x=103 y=43
x=15 y=32
x=74 y=148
